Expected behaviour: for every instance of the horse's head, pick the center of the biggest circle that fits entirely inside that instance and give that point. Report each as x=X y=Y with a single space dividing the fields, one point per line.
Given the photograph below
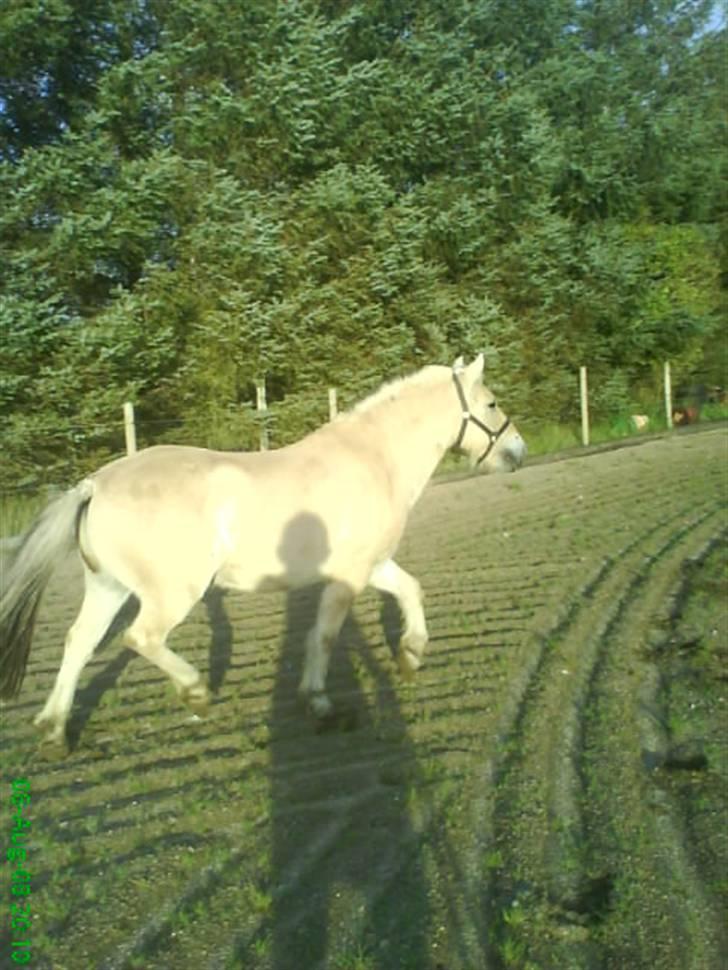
x=486 y=435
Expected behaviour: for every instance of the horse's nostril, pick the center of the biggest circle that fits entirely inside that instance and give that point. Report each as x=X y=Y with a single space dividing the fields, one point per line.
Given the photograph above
x=517 y=452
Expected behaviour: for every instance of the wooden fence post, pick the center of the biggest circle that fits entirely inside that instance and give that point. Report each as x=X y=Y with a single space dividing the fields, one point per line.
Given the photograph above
x=333 y=410
x=262 y=407
x=584 y=397
x=668 y=394
x=129 y=428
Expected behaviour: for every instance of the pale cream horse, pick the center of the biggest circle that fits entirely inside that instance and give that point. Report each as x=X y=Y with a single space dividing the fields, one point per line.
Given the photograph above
x=166 y=523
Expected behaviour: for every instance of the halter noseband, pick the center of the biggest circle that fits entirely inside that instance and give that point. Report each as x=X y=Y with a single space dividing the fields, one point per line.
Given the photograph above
x=493 y=436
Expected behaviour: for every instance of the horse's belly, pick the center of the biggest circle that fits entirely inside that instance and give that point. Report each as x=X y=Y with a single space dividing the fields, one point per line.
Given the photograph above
x=270 y=580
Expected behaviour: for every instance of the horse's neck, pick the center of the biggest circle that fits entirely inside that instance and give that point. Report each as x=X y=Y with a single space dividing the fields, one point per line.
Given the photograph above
x=418 y=430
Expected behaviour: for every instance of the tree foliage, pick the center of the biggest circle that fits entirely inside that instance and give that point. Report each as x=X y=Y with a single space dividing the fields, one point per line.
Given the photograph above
x=199 y=194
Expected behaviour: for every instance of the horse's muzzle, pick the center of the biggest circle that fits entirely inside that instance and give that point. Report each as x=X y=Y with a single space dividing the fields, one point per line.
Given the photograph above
x=514 y=452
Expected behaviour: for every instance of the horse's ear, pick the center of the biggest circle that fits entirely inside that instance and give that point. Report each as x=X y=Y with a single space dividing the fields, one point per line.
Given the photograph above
x=459 y=365
x=475 y=370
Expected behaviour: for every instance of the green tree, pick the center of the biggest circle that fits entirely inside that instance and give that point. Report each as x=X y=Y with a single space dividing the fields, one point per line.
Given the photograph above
x=199 y=193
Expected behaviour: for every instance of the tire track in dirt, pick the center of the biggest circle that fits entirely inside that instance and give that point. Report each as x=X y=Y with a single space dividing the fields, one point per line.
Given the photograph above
x=541 y=782
x=641 y=823
x=523 y=684
x=531 y=754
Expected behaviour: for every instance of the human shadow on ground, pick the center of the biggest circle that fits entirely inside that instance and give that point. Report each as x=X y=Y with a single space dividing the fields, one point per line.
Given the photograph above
x=346 y=873
x=346 y=877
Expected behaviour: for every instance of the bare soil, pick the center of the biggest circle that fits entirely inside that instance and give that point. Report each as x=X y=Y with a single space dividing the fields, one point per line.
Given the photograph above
x=549 y=792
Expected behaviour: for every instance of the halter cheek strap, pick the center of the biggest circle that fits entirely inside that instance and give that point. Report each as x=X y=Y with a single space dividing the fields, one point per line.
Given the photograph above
x=493 y=436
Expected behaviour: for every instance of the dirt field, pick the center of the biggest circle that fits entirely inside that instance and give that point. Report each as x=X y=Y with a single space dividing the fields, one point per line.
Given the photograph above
x=549 y=792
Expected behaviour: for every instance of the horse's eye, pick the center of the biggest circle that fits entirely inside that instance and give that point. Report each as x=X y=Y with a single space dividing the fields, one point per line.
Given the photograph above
x=492 y=405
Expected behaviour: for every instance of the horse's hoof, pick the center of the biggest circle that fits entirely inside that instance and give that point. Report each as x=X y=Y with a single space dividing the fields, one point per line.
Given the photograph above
x=51 y=747
x=411 y=649
x=199 y=706
x=409 y=663
x=196 y=698
x=320 y=706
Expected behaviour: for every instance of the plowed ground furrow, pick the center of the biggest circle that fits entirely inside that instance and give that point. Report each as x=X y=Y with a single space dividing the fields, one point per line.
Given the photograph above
x=539 y=824
x=643 y=833
x=556 y=492
x=401 y=834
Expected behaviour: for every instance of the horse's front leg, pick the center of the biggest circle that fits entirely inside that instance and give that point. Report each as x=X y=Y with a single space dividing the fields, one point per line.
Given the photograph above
x=336 y=600
x=391 y=578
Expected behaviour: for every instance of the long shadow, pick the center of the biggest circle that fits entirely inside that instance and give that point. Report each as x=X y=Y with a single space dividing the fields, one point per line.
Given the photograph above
x=346 y=871
x=221 y=645
x=347 y=878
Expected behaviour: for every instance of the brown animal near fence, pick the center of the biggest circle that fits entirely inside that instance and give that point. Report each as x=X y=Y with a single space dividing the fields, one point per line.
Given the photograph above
x=687 y=415
x=693 y=399
x=165 y=524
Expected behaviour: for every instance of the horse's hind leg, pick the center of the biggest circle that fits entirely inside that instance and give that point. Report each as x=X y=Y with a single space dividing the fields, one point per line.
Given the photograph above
x=336 y=599
x=391 y=578
x=103 y=598
x=147 y=635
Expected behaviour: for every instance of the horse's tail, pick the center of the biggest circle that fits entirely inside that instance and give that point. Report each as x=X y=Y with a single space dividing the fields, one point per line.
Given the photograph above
x=47 y=542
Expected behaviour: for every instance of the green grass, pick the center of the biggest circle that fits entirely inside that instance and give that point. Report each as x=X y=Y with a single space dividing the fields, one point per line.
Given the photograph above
x=17 y=511
x=357 y=959
x=547 y=438
x=714 y=412
x=544 y=439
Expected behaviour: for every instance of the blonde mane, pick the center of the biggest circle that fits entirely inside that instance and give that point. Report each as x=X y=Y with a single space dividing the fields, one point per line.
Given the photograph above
x=392 y=390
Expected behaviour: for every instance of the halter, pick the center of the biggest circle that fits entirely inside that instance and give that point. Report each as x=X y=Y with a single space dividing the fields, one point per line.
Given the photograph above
x=493 y=436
